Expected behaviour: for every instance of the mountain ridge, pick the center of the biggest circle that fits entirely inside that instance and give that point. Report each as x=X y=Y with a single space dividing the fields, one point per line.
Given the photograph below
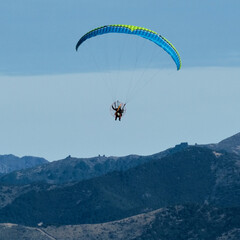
x=230 y=144
x=73 y=169
x=10 y=162
x=186 y=176
x=185 y=192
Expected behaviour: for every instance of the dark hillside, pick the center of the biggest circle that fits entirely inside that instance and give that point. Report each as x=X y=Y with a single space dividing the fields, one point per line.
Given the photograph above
x=181 y=222
x=194 y=222
x=184 y=177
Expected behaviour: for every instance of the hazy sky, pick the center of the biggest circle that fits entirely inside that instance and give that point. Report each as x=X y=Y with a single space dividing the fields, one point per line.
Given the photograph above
x=55 y=101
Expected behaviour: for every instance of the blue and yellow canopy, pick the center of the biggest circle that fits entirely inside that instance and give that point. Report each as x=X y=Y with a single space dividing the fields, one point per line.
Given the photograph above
x=140 y=31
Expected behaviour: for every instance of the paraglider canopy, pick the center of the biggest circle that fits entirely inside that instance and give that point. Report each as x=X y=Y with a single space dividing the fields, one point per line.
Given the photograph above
x=140 y=31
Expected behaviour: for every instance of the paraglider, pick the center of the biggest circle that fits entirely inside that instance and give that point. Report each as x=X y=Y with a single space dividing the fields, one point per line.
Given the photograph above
x=117 y=108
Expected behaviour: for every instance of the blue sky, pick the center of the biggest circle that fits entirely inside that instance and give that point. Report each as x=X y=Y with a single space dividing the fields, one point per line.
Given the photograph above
x=55 y=101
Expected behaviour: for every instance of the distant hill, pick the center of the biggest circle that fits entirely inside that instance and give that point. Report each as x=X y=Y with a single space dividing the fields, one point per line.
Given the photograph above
x=230 y=144
x=73 y=169
x=194 y=175
x=189 y=221
x=10 y=163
